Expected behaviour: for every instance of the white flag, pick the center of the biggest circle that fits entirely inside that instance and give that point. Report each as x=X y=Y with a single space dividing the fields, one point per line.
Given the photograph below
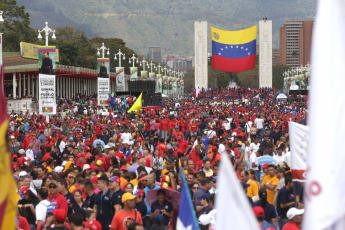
x=233 y=209
x=299 y=150
x=325 y=187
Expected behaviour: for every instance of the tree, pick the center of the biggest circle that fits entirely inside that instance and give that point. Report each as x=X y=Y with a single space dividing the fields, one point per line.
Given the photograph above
x=75 y=49
x=278 y=78
x=16 y=27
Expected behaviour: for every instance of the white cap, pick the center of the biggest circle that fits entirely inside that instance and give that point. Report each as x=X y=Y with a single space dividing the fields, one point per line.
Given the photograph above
x=107 y=147
x=86 y=166
x=21 y=151
x=23 y=173
x=294 y=212
x=210 y=218
x=58 y=169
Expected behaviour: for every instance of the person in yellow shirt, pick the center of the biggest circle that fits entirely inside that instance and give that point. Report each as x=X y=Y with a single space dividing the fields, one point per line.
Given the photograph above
x=253 y=189
x=207 y=167
x=270 y=183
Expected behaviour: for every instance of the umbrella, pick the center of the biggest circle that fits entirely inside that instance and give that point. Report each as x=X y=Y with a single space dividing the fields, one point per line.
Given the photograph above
x=171 y=195
x=204 y=115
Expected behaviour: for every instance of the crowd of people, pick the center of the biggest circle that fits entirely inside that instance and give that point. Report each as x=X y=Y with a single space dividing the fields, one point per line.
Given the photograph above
x=86 y=169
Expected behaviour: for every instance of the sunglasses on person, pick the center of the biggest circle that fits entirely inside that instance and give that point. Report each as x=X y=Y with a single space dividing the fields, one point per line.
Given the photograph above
x=71 y=177
x=52 y=186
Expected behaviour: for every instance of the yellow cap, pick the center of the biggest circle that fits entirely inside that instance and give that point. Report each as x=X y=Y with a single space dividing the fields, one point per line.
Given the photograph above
x=127 y=196
x=99 y=162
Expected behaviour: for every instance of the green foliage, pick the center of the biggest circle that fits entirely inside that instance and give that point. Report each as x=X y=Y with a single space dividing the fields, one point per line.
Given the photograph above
x=16 y=25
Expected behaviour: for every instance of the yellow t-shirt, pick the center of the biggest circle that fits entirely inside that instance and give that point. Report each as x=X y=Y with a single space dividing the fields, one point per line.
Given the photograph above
x=270 y=194
x=134 y=182
x=208 y=173
x=253 y=189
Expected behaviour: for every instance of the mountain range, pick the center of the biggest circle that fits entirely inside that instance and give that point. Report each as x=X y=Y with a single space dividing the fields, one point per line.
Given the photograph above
x=165 y=23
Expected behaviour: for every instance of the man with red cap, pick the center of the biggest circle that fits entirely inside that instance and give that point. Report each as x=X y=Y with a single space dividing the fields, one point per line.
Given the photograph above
x=92 y=225
x=260 y=216
x=58 y=219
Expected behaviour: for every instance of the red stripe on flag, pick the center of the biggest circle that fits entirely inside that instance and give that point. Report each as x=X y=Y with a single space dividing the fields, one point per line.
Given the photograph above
x=233 y=64
x=298 y=174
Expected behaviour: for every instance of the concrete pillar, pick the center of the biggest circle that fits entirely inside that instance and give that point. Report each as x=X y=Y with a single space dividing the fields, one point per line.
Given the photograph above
x=201 y=61
x=29 y=85
x=33 y=86
x=14 y=83
x=265 y=53
x=37 y=87
x=24 y=86
x=20 y=85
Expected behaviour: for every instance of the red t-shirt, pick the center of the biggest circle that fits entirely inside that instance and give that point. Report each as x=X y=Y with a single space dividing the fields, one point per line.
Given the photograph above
x=123 y=219
x=23 y=223
x=59 y=200
x=164 y=125
x=195 y=158
x=183 y=145
x=171 y=125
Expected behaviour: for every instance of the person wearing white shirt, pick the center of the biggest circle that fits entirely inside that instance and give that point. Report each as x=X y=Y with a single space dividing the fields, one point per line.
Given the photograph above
x=41 y=208
x=126 y=136
x=254 y=146
x=226 y=124
x=279 y=157
x=221 y=147
x=30 y=153
x=259 y=124
x=211 y=133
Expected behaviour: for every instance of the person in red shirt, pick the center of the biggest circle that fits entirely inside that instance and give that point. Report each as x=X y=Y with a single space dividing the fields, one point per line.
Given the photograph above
x=171 y=127
x=56 y=198
x=295 y=217
x=27 y=140
x=182 y=144
x=195 y=155
x=214 y=156
x=177 y=132
x=194 y=128
x=23 y=223
x=161 y=147
x=164 y=129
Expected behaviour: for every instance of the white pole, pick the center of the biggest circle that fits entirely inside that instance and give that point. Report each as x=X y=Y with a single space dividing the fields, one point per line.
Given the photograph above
x=20 y=85
x=14 y=86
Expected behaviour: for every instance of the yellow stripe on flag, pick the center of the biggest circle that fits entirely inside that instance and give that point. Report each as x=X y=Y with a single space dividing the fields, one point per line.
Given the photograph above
x=137 y=105
x=8 y=203
x=234 y=37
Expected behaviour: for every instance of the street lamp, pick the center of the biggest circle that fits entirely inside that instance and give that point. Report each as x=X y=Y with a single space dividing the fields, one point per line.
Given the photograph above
x=133 y=58
x=143 y=64
x=1 y=18
x=47 y=31
x=120 y=54
x=103 y=48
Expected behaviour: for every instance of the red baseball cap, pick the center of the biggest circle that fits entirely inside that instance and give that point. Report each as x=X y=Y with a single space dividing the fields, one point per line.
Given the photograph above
x=81 y=155
x=258 y=211
x=140 y=193
x=265 y=166
x=93 y=224
x=214 y=148
x=94 y=179
x=24 y=190
x=86 y=149
x=60 y=215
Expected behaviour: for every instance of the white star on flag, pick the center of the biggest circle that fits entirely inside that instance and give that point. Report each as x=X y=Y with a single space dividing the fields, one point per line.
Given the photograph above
x=226 y=47
x=249 y=53
x=231 y=47
x=221 y=49
x=246 y=49
x=219 y=54
x=236 y=46
x=241 y=47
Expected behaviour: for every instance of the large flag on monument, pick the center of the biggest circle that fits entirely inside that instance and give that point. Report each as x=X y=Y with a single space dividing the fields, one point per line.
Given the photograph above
x=186 y=216
x=233 y=208
x=325 y=186
x=8 y=203
x=234 y=51
x=299 y=150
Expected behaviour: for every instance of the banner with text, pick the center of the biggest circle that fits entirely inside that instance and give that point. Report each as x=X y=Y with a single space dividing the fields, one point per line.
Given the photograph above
x=103 y=86
x=103 y=67
x=47 y=59
x=47 y=94
x=120 y=79
x=159 y=83
x=134 y=74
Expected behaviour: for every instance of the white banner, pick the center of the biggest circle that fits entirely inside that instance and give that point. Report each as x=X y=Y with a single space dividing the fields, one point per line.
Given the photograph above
x=103 y=87
x=299 y=136
x=120 y=79
x=47 y=94
x=159 y=83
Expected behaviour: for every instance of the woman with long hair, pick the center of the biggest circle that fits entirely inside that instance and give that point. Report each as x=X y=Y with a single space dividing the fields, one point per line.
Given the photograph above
x=78 y=202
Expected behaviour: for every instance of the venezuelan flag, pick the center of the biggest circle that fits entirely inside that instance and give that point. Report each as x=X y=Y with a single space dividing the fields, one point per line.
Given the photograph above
x=234 y=51
x=8 y=203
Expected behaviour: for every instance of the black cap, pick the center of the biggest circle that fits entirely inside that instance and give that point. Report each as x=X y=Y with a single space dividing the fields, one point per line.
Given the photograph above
x=263 y=193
